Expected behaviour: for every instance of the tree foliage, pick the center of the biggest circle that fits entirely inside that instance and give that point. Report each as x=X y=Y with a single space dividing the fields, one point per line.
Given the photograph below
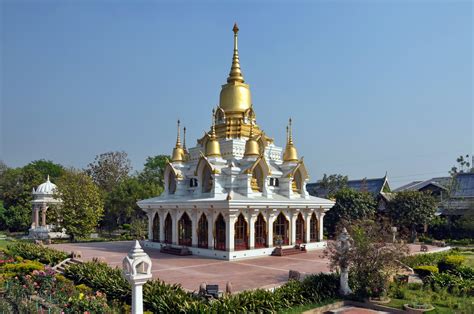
x=409 y=209
x=82 y=206
x=109 y=169
x=350 y=205
x=121 y=203
x=154 y=169
x=333 y=183
x=371 y=259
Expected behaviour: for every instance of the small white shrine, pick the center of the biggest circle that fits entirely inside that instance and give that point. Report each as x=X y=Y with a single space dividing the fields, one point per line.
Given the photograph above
x=236 y=194
x=43 y=198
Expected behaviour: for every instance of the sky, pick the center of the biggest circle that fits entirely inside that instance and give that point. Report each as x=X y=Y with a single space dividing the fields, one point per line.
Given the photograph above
x=372 y=86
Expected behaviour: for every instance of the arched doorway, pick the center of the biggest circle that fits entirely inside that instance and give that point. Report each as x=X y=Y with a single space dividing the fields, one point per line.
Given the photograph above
x=171 y=183
x=219 y=241
x=203 y=232
x=313 y=229
x=241 y=241
x=280 y=230
x=299 y=229
x=185 y=229
x=156 y=228
x=257 y=179
x=168 y=229
x=260 y=232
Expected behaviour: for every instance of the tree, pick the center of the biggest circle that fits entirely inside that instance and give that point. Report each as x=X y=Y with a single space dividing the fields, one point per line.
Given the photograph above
x=409 y=209
x=333 y=183
x=46 y=168
x=82 y=207
x=463 y=165
x=350 y=205
x=16 y=185
x=109 y=169
x=371 y=259
x=154 y=169
x=121 y=203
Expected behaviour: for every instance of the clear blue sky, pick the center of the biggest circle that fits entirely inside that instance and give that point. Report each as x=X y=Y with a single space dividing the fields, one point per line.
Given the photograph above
x=372 y=86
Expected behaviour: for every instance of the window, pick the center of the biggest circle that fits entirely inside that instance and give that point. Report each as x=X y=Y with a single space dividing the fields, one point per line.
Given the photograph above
x=203 y=232
x=280 y=230
x=185 y=230
x=156 y=228
x=260 y=232
x=168 y=229
x=219 y=243
x=193 y=182
x=313 y=228
x=240 y=236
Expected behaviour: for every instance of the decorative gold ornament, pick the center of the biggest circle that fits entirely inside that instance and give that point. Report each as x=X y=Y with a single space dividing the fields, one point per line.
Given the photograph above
x=235 y=95
x=251 y=146
x=213 y=148
x=178 y=151
x=254 y=185
x=290 y=153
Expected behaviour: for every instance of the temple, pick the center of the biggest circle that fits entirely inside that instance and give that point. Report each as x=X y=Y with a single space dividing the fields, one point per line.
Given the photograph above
x=235 y=194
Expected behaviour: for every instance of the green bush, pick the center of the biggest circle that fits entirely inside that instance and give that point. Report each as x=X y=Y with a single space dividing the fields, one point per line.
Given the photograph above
x=320 y=287
x=431 y=259
x=424 y=271
x=453 y=283
x=22 y=268
x=101 y=277
x=36 y=252
x=451 y=262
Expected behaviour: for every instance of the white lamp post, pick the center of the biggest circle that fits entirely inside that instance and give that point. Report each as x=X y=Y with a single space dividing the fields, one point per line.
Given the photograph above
x=137 y=270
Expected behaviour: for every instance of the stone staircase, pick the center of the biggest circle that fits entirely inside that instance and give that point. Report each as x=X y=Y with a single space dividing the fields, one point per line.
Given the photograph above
x=61 y=267
x=181 y=251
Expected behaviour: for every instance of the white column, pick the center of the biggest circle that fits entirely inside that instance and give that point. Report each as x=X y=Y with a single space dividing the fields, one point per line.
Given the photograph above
x=137 y=298
x=43 y=216
x=150 y=216
x=194 y=219
x=293 y=217
x=37 y=209
x=307 y=223
x=252 y=219
x=162 y=226
x=230 y=231
x=174 y=229
x=270 y=220
x=210 y=231
x=320 y=226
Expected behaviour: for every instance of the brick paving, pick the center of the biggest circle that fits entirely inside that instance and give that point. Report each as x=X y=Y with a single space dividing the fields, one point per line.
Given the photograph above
x=190 y=271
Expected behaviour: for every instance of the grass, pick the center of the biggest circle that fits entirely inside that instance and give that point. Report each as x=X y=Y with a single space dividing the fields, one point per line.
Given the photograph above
x=3 y=244
x=469 y=258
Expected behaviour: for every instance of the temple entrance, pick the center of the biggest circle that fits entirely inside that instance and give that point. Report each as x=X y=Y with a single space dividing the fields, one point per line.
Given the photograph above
x=241 y=241
x=219 y=241
x=185 y=229
x=260 y=232
x=203 y=232
x=313 y=229
x=156 y=228
x=280 y=230
x=168 y=229
x=299 y=229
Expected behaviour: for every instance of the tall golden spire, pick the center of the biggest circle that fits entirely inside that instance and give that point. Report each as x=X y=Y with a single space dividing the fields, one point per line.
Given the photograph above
x=184 y=138
x=235 y=74
x=235 y=95
x=178 y=152
x=290 y=153
x=213 y=148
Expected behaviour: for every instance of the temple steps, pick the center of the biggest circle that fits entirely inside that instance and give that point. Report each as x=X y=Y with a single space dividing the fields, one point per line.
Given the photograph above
x=288 y=251
x=61 y=267
x=181 y=251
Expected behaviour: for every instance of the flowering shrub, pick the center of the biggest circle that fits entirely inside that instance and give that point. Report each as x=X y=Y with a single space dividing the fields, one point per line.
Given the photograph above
x=424 y=271
x=451 y=262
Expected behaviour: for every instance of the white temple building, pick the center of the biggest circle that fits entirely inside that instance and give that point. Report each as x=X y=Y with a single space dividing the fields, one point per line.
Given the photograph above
x=235 y=194
x=43 y=198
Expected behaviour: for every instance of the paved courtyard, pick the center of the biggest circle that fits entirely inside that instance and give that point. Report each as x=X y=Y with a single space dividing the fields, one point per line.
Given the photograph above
x=190 y=271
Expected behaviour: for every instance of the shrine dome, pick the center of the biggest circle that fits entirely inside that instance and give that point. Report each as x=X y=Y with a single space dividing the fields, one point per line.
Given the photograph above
x=46 y=188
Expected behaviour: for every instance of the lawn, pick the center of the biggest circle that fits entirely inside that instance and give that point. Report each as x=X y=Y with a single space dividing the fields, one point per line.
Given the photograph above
x=469 y=258
x=3 y=244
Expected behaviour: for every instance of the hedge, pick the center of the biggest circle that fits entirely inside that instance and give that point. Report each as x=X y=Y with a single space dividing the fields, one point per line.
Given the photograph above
x=425 y=270
x=160 y=297
x=451 y=262
x=34 y=252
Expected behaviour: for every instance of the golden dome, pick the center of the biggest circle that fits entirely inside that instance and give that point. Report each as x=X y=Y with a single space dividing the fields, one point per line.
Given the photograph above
x=251 y=146
x=213 y=149
x=178 y=151
x=235 y=95
x=290 y=153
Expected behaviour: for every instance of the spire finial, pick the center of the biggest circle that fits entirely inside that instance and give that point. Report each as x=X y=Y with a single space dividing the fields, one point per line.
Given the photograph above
x=235 y=74
x=47 y=179
x=184 y=138
x=290 y=132
x=178 y=138
x=213 y=126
